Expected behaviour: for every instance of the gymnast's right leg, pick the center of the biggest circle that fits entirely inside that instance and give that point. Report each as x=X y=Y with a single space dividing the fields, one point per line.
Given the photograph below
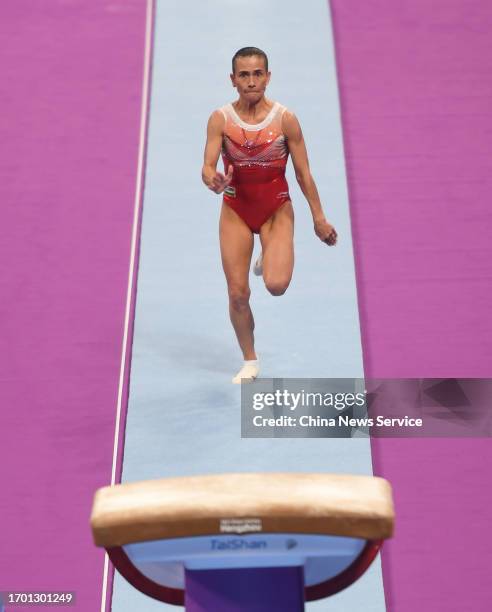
x=236 y=247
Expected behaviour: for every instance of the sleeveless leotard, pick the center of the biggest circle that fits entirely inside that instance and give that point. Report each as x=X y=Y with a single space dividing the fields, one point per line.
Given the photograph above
x=259 y=156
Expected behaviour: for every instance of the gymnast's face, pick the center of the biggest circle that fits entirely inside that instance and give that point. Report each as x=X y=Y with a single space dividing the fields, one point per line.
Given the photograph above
x=250 y=78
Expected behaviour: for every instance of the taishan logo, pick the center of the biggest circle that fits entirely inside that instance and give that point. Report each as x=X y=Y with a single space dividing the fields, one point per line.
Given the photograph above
x=237 y=544
x=290 y=544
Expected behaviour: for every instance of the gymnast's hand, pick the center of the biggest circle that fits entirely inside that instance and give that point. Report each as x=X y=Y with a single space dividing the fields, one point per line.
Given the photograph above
x=220 y=182
x=325 y=231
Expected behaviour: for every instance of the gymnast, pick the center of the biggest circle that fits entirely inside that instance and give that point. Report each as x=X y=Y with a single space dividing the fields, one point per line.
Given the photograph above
x=255 y=136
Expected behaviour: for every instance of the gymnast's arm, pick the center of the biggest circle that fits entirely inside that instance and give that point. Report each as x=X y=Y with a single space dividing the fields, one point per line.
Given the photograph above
x=214 y=180
x=297 y=149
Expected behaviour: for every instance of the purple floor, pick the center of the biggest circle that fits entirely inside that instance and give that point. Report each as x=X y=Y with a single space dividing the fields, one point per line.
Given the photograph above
x=416 y=93
x=69 y=127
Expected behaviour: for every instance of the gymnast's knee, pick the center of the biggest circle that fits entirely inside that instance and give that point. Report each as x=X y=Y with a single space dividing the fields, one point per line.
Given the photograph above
x=239 y=298
x=277 y=286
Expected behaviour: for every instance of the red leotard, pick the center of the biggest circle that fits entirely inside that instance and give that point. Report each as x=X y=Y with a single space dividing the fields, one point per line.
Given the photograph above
x=259 y=155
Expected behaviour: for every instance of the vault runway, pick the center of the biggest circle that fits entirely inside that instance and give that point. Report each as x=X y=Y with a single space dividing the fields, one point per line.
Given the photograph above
x=183 y=413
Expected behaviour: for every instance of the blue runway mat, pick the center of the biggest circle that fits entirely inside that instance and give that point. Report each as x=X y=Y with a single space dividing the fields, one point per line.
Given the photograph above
x=183 y=414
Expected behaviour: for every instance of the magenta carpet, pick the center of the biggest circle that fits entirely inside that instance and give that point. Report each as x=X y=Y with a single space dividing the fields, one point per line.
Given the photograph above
x=416 y=95
x=70 y=121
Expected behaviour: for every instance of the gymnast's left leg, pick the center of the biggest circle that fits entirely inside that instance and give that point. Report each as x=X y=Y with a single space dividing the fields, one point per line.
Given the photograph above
x=277 y=241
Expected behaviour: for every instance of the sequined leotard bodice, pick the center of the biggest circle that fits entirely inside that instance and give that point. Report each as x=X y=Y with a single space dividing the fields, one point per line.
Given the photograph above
x=259 y=155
